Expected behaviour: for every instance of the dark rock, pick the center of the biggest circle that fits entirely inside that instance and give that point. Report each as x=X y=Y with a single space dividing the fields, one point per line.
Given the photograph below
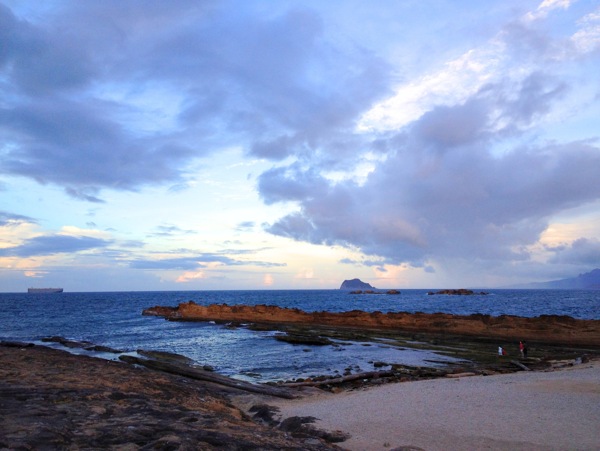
x=297 y=339
x=301 y=427
x=380 y=364
x=458 y=292
x=264 y=413
x=355 y=284
x=16 y=344
x=52 y=399
x=165 y=356
x=100 y=348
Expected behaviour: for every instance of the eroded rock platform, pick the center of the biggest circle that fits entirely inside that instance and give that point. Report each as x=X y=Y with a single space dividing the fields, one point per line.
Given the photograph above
x=554 y=329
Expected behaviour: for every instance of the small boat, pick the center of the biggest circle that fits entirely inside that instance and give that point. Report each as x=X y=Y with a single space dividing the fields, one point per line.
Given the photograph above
x=44 y=290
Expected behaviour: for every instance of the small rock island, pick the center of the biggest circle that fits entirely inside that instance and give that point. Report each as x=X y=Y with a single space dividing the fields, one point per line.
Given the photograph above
x=458 y=292
x=356 y=284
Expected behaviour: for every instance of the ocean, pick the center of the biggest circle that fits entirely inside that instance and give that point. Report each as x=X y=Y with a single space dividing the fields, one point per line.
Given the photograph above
x=114 y=319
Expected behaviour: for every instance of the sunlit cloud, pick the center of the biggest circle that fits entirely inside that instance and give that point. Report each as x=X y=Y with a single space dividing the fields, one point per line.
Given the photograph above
x=189 y=276
x=268 y=280
x=35 y=274
x=305 y=273
x=452 y=84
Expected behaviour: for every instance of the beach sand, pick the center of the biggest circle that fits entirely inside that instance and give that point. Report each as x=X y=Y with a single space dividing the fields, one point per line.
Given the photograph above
x=555 y=410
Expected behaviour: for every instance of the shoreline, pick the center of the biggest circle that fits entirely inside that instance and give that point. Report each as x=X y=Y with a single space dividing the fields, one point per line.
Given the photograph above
x=68 y=399
x=538 y=410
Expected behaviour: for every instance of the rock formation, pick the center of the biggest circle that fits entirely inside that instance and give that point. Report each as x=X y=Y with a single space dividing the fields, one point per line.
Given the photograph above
x=546 y=328
x=55 y=400
x=458 y=292
x=356 y=284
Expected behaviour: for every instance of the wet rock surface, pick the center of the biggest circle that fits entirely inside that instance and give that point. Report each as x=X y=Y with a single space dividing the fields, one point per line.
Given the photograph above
x=50 y=399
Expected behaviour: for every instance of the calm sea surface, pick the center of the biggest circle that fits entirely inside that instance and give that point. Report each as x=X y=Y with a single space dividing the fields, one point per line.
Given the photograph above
x=115 y=320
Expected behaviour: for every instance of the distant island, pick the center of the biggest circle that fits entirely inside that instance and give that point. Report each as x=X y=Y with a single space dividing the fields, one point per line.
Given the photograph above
x=586 y=281
x=356 y=284
x=44 y=290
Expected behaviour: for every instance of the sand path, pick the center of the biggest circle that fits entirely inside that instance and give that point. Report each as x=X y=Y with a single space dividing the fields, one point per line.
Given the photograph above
x=556 y=410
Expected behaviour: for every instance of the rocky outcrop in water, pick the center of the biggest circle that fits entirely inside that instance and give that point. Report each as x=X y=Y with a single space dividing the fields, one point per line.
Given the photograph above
x=458 y=292
x=356 y=284
x=546 y=328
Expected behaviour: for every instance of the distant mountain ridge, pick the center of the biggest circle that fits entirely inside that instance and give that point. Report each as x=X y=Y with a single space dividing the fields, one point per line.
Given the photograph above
x=587 y=281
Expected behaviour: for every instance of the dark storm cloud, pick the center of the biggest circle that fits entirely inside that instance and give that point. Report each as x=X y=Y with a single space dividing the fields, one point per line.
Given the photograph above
x=54 y=244
x=243 y=79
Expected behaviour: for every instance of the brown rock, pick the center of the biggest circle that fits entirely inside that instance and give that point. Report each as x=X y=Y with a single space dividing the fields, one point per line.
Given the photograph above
x=50 y=399
x=546 y=328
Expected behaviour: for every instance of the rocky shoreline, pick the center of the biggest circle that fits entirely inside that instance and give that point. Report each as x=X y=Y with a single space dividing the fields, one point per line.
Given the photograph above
x=554 y=329
x=472 y=341
x=55 y=399
x=52 y=399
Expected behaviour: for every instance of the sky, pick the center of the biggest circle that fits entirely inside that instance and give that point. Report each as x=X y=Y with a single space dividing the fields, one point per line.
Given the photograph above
x=260 y=144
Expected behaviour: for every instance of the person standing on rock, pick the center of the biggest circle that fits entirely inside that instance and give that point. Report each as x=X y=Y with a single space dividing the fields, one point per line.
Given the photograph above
x=524 y=349
x=521 y=349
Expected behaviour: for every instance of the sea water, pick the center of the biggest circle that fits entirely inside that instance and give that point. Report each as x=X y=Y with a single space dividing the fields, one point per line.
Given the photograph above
x=115 y=320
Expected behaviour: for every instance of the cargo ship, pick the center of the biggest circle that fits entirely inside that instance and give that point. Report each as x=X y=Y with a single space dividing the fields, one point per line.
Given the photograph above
x=44 y=290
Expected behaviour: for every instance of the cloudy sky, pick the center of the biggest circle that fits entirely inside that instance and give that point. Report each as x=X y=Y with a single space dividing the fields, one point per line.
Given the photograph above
x=188 y=145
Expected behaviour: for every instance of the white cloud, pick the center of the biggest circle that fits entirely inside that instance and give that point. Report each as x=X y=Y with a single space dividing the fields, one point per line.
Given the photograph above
x=451 y=85
x=587 y=38
x=546 y=7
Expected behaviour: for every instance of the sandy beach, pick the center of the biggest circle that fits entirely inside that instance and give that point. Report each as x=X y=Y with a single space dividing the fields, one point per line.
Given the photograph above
x=53 y=399
x=554 y=410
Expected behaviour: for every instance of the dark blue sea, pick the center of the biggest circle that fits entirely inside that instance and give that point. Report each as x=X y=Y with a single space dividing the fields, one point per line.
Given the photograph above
x=115 y=320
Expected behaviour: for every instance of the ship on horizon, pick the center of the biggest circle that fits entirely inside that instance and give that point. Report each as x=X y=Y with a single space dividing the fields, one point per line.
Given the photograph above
x=44 y=290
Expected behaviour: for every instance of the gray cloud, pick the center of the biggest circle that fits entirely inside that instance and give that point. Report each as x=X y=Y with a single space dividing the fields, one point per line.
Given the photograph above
x=54 y=244
x=172 y=230
x=72 y=144
x=243 y=79
x=583 y=251
x=8 y=219
x=245 y=226
x=443 y=192
x=181 y=263
x=194 y=262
